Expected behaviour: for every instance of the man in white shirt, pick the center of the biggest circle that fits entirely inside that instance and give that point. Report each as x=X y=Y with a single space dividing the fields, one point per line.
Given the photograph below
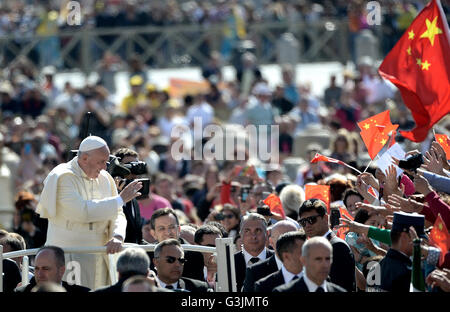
x=289 y=249
x=316 y=259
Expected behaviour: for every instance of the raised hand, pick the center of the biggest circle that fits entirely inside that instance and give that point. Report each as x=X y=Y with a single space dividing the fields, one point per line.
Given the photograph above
x=396 y=202
x=391 y=183
x=421 y=184
x=353 y=226
x=433 y=163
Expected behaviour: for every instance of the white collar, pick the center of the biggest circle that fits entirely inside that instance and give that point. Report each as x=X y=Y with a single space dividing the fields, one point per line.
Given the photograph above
x=247 y=256
x=288 y=276
x=312 y=287
x=163 y=285
x=279 y=262
x=326 y=234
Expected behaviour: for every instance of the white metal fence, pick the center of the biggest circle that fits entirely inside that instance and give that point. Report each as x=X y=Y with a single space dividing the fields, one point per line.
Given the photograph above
x=224 y=250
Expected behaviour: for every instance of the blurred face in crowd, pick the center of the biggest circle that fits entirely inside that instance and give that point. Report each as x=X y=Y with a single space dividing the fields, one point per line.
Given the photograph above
x=168 y=266
x=254 y=237
x=146 y=234
x=350 y=204
x=375 y=220
x=94 y=161
x=127 y=160
x=230 y=220
x=317 y=263
x=46 y=268
x=164 y=188
x=210 y=241
x=166 y=227
x=319 y=224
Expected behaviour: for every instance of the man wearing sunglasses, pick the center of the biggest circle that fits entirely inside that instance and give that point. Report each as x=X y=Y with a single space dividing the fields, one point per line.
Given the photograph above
x=169 y=262
x=313 y=218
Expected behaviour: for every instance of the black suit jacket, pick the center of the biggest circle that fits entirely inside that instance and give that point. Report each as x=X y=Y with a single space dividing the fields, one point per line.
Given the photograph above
x=268 y=283
x=253 y=275
x=11 y=276
x=193 y=268
x=299 y=285
x=117 y=287
x=134 y=223
x=342 y=271
x=193 y=285
x=69 y=288
x=395 y=271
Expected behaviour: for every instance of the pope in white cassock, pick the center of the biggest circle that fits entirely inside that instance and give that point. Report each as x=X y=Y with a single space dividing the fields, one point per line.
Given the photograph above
x=83 y=208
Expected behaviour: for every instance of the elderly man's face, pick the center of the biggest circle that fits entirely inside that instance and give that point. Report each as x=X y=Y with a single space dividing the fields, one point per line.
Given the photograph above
x=95 y=161
x=46 y=268
x=254 y=236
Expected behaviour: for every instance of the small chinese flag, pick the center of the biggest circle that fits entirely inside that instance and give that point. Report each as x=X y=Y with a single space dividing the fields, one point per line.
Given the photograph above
x=375 y=132
x=419 y=66
x=341 y=231
x=321 y=192
x=319 y=157
x=274 y=203
x=444 y=141
x=440 y=237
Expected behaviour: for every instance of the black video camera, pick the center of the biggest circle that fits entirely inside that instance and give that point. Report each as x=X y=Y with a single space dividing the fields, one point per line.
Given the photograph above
x=116 y=169
x=411 y=163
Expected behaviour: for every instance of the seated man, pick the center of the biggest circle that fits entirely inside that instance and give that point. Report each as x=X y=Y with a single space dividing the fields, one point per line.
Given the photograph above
x=289 y=250
x=316 y=259
x=50 y=267
x=169 y=264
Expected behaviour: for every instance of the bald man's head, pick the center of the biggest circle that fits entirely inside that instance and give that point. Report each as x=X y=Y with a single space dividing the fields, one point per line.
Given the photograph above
x=278 y=229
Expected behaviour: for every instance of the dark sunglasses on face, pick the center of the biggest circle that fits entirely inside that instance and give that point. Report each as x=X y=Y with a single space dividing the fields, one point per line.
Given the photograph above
x=171 y=260
x=311 y=220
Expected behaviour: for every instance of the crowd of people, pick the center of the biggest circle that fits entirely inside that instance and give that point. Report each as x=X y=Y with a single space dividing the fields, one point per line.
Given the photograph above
x=53 y=197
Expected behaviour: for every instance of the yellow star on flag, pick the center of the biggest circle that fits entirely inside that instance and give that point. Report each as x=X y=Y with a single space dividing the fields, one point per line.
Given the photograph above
x=419 y=61
x=409 y=51
x=366 y=126
x=441 y=140
x=425 y=65
x=383 y=141
x=432 y=30
x=440 y=226
x=411 y=35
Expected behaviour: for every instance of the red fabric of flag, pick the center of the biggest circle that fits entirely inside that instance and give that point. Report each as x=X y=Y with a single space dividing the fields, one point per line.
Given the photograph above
x=274 y=203
x=419 y=65
x=319 y=157
x=440 y=237
x=375 y=132
x=444 y=141
x=321 y=192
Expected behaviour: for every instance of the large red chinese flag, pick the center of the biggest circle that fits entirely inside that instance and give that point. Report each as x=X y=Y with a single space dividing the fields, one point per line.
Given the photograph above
x=440 y=238
x=419 y=65
x=444 y=141
x=375 y=132
x=274 y=203
x=321 y=192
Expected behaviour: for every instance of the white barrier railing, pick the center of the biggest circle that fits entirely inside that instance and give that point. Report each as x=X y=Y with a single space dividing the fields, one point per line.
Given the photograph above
x=226 y=277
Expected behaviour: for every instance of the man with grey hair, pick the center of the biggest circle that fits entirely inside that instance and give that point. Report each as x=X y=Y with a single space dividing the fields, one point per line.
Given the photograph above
x=254 y=236
x=273 y=263
x=83 y=209
x=131 y=262
x=292 y=197
x=317 y=256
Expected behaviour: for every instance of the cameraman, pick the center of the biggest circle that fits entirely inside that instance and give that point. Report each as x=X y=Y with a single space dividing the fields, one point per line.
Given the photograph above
x=131 y=208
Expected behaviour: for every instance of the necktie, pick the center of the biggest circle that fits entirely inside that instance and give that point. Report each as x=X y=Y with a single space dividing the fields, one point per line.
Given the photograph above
x=169 y=287
x=254 y=260
x=320 y=289
x=294 y=278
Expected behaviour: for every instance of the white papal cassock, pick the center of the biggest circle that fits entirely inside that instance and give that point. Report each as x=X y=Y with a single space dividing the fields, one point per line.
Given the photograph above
x=82 y=212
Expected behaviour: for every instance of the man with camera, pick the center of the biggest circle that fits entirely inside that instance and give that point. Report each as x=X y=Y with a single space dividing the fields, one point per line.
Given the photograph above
x=128 y=159
x=83 y=209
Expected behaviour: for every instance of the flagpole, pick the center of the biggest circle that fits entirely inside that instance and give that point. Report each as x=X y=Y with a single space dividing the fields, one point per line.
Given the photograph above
x=347 y=165
x=368 y=165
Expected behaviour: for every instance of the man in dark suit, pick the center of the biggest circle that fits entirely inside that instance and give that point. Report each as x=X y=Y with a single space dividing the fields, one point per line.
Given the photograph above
x=313 y=218
x=273 y=263
x=206 y=235
x=131 y=262
x=169 y=262
x=316 y=259
x=164 y=225
x=289 y=248
x=50 y=267
x=394 y=269
x=131 y=209
x=254 y=237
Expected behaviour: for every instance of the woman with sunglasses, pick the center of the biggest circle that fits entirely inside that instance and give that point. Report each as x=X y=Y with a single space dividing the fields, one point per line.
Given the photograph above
x=231 y=219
